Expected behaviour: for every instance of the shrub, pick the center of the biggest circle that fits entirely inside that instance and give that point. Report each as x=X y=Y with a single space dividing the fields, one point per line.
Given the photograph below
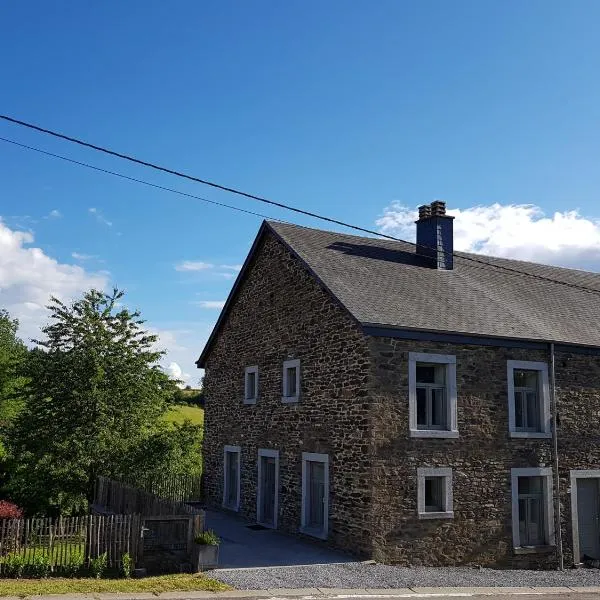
x=208 y=538
x=98 y=565
x=8 y=510
x=75 y=563
x=126 y=565
x=14 y=565
x=38 y=567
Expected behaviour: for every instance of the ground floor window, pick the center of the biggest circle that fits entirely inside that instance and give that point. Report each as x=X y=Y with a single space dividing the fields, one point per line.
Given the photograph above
x=315 y=494
x=532 y=517
x=231 y=477
x=434 y=493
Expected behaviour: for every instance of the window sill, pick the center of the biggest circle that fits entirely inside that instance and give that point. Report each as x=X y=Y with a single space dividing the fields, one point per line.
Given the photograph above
x=530 y=434
x=250 y=400
x=316 y=533
x=436 y=515
x=433 y=433
x=290 y=399
x=534 y=549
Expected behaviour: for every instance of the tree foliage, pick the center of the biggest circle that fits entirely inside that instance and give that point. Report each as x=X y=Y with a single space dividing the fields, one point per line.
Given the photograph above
x=95 y=398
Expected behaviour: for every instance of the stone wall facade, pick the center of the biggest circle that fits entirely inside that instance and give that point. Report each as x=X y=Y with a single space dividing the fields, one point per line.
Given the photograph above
x=481 y=457
x=281 y=313
x=354 y=407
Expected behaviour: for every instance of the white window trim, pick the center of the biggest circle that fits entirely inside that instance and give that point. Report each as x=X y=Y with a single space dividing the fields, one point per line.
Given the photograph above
x=268 y=454
x=545 y=419
x=444 y=472
x=575 y=475
x=288 y=364
x=247 y=371
x=451 y=417
x=306 y=458
x=545 y=472
x=238 y=450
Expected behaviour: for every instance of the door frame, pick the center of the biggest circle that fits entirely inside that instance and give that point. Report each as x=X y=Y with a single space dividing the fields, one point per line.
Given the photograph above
x=266 y=453
x=322 y=458
x=575 y=475
x=233 y=450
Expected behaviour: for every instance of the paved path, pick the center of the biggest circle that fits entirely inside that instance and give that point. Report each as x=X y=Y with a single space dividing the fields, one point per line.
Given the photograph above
x=242 y=547
x=339 y=594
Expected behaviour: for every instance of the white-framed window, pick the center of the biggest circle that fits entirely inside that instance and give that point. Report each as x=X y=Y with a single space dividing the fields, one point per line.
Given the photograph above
x=532 y=511
x=231 y=477
x=291 y=380
x=528 y=399
x=315 y=494
x=251 y=385
x=432 y=395
x=434 y=493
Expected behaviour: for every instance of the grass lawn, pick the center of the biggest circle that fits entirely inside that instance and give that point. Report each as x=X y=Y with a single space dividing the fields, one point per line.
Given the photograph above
x=181 y=412
x=164 y=583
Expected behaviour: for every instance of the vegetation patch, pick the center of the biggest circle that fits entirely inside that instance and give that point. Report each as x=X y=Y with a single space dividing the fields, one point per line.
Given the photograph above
x=155 y=585
x=180 y=413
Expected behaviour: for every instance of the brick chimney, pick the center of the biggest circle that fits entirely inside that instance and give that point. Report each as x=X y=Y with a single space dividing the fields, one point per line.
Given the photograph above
x=435 y=235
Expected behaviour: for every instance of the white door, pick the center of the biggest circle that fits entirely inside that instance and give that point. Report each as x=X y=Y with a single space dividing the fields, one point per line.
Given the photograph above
x=588 y=516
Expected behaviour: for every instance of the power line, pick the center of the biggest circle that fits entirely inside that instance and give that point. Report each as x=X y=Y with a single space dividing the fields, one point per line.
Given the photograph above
x=259 y=199
x=154 y=185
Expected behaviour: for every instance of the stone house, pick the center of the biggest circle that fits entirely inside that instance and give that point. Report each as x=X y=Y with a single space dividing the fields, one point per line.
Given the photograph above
x=407 y=403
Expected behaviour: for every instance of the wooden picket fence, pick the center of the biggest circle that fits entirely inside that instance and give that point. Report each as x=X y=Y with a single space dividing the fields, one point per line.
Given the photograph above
x=120 y=498
x=179 y=488
x=68 y=540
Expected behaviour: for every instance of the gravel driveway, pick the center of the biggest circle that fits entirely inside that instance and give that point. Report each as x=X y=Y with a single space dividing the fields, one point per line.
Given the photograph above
x=361 y=575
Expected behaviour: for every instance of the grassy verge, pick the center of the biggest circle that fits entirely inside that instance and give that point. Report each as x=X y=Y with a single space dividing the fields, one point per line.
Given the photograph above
x=155 y=585
x=181 y=412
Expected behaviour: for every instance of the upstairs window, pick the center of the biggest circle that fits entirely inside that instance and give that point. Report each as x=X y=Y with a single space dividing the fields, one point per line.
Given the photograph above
x=291 y=381
x=528 y=399
x=250 y=385
x=432 y=395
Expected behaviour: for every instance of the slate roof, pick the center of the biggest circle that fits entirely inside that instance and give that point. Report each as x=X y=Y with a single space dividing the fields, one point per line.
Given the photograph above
x=384 y=283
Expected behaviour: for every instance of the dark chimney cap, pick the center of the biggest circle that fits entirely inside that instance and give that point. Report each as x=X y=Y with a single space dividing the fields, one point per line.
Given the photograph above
x=424 y=211
x=438 y=208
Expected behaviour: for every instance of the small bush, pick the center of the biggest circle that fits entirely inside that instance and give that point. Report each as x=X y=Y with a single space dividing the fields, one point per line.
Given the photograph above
x=38 y=567
x=74 y=565
x=98 y=565
x=208 y=538
x=126 y=565
x=9 y=510
x=14 y=565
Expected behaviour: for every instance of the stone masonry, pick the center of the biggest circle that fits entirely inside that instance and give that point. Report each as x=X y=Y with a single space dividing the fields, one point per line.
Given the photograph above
x=354 y=407
x=282 y=313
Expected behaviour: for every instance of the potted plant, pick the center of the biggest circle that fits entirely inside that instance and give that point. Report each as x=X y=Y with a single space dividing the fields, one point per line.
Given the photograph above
x=206 y=550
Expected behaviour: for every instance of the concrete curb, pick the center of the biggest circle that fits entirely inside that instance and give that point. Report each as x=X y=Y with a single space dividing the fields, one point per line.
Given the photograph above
x=320 y=592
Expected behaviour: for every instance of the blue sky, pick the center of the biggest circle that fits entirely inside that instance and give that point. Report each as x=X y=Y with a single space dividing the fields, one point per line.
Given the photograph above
x=361 y=110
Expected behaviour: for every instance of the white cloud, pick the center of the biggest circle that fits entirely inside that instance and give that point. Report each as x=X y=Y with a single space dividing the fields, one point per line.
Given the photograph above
x=231 y=267
x=226 y=275
x=193 y=265
x=520 y=231
x=82 y=257
x=210 y=303
x=53 y=214
x=100 y=217
x=28 y=277
x=176 y=372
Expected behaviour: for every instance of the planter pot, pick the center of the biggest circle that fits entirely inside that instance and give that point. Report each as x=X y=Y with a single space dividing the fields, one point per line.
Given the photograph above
x=205 y=557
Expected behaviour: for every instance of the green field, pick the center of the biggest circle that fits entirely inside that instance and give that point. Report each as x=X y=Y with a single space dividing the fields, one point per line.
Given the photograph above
x=179 y=413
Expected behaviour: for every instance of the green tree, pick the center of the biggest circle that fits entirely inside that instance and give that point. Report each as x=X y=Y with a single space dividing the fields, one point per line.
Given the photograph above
x=94 y=398
x=12 y=355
